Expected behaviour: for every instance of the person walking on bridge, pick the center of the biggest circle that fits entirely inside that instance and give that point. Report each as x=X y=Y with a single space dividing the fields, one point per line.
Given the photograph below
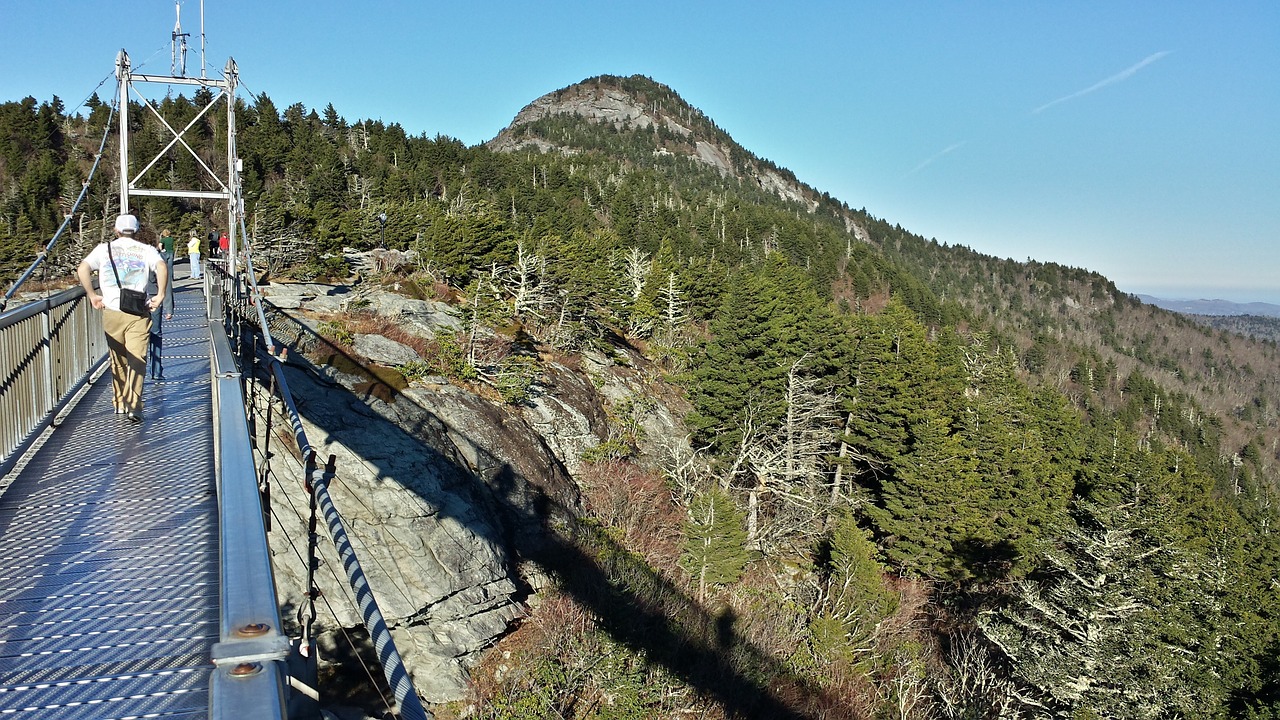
x=125 y=264
x=193 y=251
x=167 y=251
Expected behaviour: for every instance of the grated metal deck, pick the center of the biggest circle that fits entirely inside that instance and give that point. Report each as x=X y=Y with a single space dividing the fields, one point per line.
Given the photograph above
x=109 y=549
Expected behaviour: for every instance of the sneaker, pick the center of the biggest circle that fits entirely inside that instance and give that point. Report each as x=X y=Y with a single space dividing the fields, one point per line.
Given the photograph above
x=134 y=417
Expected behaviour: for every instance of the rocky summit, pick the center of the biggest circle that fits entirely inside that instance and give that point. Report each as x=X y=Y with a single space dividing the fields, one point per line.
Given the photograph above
x=652 y=112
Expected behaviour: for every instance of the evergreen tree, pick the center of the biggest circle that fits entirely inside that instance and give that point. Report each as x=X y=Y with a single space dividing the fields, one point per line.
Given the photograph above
x=932 y=511
x=891 y=376
x=770 y=319
x=853 y=598
x=1093 y=634
x=715 y=546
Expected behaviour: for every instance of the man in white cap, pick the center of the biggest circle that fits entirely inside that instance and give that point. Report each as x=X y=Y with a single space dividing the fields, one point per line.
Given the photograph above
x=125 y=263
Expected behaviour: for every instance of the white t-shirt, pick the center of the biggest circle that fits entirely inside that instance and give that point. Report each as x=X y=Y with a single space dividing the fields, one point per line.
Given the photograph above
x=135 y=262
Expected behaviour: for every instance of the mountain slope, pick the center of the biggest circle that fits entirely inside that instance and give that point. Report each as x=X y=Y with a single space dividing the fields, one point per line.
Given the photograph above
x=1071 y=329
x=864 y=418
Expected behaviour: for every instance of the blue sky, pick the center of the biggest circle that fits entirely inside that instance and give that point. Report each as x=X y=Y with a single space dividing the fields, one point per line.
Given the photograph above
x=1137 y=139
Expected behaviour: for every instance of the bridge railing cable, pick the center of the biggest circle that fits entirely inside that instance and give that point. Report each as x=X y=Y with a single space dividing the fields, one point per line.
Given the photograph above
x=245 y=303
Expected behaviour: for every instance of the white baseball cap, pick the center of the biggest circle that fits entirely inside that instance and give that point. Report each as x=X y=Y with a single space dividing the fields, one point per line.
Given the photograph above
x=126 y=224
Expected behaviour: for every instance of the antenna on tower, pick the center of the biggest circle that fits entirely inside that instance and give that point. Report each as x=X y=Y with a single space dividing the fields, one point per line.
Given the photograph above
x=201 y=39
x=178 y=48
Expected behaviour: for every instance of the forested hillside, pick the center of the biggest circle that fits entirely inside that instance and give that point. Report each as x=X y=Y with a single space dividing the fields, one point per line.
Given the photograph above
x=923 y=481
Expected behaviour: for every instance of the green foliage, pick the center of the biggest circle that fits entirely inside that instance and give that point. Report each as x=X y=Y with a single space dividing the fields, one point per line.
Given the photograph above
x=337 y=332
x=769 y=320
x=457 y=246
x=448 y=358
x=416 y=370
x=932 y=512
x=587 y=675
x=855 y=598
x=614 y=448
x=715 y=546
x=515 y=378
x=1121 y=621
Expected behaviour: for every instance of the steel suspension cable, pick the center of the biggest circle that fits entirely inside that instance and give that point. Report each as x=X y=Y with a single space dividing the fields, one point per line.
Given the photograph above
x=288 y=498
x=311 y=561
x=393 y=666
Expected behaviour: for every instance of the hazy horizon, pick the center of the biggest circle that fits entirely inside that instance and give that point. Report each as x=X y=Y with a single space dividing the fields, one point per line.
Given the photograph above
x=1235 y=295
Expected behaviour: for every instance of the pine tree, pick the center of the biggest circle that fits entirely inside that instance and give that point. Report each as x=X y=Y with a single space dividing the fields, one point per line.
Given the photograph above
x=852 y=595
x=932 y=511
x=892 y=374
x=1025 y=488
x=770 y=318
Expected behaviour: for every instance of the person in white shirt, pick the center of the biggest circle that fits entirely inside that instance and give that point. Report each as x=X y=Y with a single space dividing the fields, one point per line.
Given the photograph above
x=124 y=262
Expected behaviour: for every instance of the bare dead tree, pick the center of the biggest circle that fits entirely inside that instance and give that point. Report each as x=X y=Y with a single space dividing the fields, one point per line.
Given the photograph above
x=974 y=686
x=637 y=269
x=525 y=282
x=788 y=463
x=674 y=307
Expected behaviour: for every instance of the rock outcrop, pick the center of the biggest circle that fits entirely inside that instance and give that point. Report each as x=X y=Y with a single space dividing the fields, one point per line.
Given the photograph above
x=442 y=489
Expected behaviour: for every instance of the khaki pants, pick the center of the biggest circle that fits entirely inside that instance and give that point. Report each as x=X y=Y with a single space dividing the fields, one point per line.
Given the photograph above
x=127 y=337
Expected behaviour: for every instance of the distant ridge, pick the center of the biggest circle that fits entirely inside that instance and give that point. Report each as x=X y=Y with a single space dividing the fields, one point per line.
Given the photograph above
x=1213 y=307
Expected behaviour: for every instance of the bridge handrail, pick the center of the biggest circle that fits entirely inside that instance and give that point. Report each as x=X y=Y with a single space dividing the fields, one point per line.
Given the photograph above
x=49 y=350
x=249 y=660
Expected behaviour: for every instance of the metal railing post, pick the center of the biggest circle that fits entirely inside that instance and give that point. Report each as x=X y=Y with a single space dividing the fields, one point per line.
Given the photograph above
x=31 y=399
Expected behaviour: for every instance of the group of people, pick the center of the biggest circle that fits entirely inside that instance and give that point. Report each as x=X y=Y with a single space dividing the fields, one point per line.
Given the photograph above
x=218 y=246
x=134 y=332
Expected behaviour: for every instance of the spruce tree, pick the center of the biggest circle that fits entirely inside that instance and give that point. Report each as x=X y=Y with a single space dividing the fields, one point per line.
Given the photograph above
x=1116 y=623
x=715 y=546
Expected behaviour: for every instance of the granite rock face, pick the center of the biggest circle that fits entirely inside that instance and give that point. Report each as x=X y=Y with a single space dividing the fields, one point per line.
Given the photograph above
x=428 y=538
x=383 y=350
x=444 y=490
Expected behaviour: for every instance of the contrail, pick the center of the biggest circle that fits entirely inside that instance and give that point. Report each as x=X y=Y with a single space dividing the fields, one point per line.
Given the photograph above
x=930 y=161
x=1122 y=75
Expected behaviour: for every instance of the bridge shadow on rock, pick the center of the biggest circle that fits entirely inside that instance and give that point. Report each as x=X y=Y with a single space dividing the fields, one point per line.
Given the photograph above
x=540 y=523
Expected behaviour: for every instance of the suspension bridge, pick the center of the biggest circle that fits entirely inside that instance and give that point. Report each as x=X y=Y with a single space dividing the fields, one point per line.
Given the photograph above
x=136 y=577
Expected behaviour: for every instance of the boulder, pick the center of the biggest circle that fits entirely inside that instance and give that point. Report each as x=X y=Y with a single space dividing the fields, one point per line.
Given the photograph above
x=384 y=351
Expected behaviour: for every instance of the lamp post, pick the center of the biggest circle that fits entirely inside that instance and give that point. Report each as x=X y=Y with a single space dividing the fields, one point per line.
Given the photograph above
x=382 y=231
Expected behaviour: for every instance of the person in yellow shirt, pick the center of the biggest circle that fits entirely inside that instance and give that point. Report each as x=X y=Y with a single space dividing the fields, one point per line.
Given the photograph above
x=193 y=250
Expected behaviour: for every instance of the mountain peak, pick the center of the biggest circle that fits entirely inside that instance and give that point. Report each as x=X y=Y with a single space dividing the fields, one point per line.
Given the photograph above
x=645 y=122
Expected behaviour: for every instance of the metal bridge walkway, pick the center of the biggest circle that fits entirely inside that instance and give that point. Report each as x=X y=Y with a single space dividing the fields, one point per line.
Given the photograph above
x=109 y=574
